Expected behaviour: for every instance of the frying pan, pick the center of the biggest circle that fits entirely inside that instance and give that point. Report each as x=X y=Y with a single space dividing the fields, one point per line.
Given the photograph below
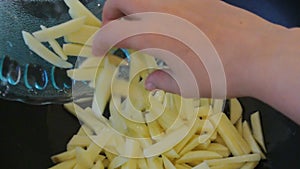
x=29 y=135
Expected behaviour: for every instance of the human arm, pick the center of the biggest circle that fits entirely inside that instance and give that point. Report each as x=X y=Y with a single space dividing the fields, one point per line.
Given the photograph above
x=250 y=48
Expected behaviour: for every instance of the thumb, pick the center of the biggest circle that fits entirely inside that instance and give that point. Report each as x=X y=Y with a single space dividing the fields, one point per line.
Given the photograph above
x=160 y=79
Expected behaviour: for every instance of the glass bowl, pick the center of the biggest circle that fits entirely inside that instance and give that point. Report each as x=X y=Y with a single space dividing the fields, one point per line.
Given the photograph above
x=24 y=76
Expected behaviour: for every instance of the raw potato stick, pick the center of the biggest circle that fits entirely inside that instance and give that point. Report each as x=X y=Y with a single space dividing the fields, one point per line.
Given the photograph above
x=59 y=30
x=166 y=142
x=239 y=126
x=235 y=110
x=207 y=131
x=251 y=141
x=183 y=166
x=167 y=163
x=234 y=141
x=88 y=74
x=219 y=148
x=65 y=165
x=218 y=105
x=82 y=158
x=56 y=47
x=79 y=141
x=257 y=129
x=188 y=137
x=78 y=50
x=198 y=156
x=142 y=163
x=117 y=162
x=102 y=90
x=83 y=36
x=44 y=52
x=77 y=10
x=228 y=166
x=193 y=143
x=249 y=165
x=98 y=165
x=65 y=156
x=91 y=62
x=237 y=159
x=202 y=165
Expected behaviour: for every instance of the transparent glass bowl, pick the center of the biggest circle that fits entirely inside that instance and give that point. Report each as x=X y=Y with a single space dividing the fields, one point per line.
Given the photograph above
x=24 y=76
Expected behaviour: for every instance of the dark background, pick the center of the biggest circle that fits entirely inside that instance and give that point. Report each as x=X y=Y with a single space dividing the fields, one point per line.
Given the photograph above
x=29 y=134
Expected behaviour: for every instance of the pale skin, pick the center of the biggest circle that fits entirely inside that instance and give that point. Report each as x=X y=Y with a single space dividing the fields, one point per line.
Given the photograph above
x=260 y=59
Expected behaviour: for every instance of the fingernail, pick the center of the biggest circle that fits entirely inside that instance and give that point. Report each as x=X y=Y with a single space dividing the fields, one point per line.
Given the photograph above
x=150 y=86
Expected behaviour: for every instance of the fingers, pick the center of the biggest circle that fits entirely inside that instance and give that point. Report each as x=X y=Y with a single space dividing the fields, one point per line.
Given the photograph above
x=111 y=11
x=113 y=33
x=115 y=9
x=162 y=80
x=139 y=31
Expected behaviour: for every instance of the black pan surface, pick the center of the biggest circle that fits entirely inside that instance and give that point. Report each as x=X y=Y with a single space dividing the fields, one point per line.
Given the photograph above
x=29 y=135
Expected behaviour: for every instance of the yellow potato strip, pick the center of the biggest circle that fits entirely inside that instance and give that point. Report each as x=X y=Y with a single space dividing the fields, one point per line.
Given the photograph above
x=207 y=131
x=79 y=141
x=154 y=162
x=198 y=156
x=93 y=151
x=235 y=110
x=251 y=141
x=167 y=163
x=228 y=166
x=166 y=143
x=142 y=163
x=203 y=146
x=88 y=74
x=181 y=166
x=98 y=165
x=56 y=47
x=83 y=36
x=219 y=148
x=155 y=129
x=44 y=52
x=88 y=119
x=77 y=10
x=91 y=62
x=202 y=165
x=103 y=88
x=59 y=30
x=65 y=165
x=239 y=126
x=116 y=120
x=237 y=159
x=117 y=162
x=218 y=105
x=234 y=141
x=188 y=137
x=77 y=50
x=65 y=156
x=249 y=165
x=193 y=143
x=257 y=130
x=83 y=159
x=171 y=154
